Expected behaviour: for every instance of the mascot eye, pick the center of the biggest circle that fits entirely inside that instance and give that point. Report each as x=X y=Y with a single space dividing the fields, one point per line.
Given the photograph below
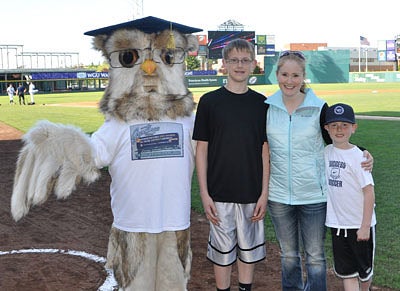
x=128 y=58
x=169 y=56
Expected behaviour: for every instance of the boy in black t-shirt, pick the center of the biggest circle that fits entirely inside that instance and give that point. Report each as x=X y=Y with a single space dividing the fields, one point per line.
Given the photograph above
x=232 y=161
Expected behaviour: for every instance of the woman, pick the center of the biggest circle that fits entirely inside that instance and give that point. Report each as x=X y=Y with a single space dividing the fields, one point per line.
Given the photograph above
x=297 y=190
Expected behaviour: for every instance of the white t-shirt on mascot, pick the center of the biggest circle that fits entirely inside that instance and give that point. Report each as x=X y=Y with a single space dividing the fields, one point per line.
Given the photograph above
x=151 y=166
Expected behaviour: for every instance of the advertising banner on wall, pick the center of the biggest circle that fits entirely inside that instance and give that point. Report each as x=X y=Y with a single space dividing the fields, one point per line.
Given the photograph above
x=68 y=75
x=261 y=39
x=202 y=39
x=381 y=56
x=381 y=45
x=390 y=56
x=387 y=50
x=217 y=40
x=390 y=45
x=270 y=39
x=265 y=45
x=391 y=50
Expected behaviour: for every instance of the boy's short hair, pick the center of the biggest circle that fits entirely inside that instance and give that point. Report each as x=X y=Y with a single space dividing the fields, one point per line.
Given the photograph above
x=240 y=45
x=340 y=112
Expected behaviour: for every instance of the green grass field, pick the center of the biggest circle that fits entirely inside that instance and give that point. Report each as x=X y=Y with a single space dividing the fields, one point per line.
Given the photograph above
x=381 y=138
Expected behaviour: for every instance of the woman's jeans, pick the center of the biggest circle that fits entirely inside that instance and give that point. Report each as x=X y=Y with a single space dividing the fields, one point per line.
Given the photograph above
x=301 y=227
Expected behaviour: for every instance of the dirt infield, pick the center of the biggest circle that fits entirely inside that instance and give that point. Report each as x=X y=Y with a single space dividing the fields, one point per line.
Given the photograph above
x=62 y=245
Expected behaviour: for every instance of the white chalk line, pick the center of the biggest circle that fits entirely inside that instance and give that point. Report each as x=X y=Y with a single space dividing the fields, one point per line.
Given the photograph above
x=108 y=285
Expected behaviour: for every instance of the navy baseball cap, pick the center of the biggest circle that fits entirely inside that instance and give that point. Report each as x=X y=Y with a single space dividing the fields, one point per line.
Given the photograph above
x=340 y=112
x=148 y=24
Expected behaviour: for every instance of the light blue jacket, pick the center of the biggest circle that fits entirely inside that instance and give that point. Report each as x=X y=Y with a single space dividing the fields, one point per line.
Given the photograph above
x=297 y=151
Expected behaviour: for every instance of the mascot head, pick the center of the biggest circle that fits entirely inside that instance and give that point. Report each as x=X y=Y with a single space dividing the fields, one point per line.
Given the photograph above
x=147 y=68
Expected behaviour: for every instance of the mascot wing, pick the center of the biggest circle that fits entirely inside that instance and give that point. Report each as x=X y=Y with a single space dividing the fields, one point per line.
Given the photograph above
x=54 y=156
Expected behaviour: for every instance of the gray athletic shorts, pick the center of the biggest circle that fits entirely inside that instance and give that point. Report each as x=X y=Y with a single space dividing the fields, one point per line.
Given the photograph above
x=236 y=236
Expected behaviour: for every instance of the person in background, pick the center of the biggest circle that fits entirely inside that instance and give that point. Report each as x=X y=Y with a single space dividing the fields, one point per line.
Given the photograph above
x=21 y=93
x=32 y=92
x=11 y=93
x=232 y=163
x=351 y=200
x=297 y=189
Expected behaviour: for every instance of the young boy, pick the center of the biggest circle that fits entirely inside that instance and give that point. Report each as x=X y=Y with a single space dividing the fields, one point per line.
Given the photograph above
x=232 y=161
x=351 y=200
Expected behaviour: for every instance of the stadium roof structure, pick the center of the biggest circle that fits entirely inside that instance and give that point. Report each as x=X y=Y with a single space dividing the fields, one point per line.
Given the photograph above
x=231 y=25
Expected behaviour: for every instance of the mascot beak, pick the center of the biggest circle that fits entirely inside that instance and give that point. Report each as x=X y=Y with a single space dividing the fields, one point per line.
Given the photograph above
x=148 y=66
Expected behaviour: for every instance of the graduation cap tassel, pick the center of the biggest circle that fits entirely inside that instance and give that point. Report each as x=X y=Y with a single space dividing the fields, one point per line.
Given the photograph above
x=171 y=40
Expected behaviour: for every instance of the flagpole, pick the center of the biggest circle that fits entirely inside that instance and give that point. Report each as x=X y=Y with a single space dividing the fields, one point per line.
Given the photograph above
x=363 y=42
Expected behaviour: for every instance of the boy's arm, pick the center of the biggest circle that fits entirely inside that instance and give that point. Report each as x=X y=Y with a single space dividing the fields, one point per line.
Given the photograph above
x=261 y=207
x=368 y=209
x=201 y=169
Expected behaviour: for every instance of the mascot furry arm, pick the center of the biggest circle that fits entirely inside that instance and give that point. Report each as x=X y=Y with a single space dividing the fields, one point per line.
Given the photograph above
x=54 y=156
x=146 y=144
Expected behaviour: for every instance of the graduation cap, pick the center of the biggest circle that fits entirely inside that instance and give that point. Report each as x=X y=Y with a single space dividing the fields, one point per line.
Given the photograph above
x=148 y=24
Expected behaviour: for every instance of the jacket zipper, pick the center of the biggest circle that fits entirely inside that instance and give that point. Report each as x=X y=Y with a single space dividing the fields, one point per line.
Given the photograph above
x=290 y=159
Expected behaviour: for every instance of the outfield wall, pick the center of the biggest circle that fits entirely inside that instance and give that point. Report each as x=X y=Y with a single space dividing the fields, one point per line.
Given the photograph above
x=325 y=66
x=375 y=77
x=331 y=66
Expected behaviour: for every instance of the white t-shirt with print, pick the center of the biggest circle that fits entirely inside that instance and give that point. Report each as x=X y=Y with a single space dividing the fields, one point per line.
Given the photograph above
x=151 y=166
x=346 y=178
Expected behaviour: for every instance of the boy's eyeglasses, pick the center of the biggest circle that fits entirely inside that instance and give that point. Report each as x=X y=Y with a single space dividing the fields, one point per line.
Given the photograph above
x=237 y=61
x=295 y=53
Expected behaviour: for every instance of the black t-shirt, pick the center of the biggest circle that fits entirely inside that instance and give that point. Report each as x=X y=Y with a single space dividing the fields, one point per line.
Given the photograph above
x=234 y=125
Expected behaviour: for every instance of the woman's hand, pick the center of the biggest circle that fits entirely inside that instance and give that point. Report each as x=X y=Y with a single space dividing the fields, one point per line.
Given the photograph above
x=369 y=162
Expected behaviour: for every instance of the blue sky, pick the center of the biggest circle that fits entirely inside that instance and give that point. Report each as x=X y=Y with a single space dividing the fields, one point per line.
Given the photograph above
x=57 y=26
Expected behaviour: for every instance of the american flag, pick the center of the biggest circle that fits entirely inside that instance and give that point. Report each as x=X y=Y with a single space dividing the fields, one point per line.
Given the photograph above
x=364 y=41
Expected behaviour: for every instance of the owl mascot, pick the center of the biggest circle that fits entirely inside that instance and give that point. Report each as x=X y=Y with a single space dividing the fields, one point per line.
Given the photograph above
x=145 y=142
